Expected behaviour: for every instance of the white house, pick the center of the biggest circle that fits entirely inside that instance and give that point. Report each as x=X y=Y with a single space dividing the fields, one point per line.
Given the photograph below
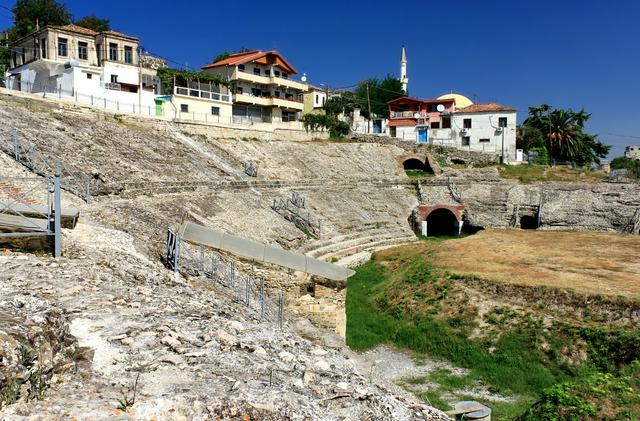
x=73 y=61
x=454 y=120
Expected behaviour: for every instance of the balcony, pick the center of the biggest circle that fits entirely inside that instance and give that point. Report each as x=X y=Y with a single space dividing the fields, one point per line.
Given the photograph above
x=197 y=93
x=268 y=80
x=113 y=86
x=269 y=101
x=406 y=114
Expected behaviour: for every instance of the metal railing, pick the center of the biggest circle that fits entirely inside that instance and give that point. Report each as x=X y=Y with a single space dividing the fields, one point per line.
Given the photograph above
x=21 y=217
x=407 y=114
x=203 y=262
x=198 y=93
x=28 y=154
x=291 y=210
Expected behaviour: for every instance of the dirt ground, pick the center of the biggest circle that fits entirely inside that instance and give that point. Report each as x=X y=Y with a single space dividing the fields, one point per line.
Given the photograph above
x=602 y=263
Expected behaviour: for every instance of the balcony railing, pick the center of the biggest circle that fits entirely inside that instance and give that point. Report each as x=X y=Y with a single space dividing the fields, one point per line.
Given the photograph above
x=197 y=93
x=268 y=80
x=113 y=86
x=407 y=114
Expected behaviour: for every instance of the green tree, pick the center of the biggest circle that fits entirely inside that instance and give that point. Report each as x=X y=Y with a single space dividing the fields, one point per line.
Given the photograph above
x=28 y=15
x=339 y=104
x=563 y=132
x=94 y=23
x=375 y=93
x=633 y=165
x=225 y=54
x=528 y=137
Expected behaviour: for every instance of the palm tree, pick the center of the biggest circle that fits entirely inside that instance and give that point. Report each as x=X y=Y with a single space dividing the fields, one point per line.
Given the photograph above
x=563 y=131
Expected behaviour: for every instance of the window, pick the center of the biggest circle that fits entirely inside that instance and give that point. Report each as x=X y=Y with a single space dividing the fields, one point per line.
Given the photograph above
x=276 y=94
x=62 y=47
x=446 y=122
x=128 y=55
x=184 y=108
x=215 y=110
x=114 y=78
x=239 y=90
x=43 y=48
x=24 y=55
x=241 y=67
x=502 y=122
x=466 y=141
x=485 y=140
x=267 y=72
x=113 y=51
x=324 y=100
x=277 y=73
x=82 y=50
x=466 y=123
x=14 y=58
x=284 y=75
x=89 y=76
x=256 y=92
x=435 y=125
x=317 y=99
x=256 y=71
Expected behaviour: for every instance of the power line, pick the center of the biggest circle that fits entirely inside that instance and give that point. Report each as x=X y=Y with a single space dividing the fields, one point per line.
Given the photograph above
x=622 y=135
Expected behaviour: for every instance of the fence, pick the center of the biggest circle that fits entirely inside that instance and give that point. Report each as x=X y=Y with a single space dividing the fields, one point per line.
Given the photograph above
x=291 y=210
x=200 y=261
x=22 y=216
x=135 y=107
x=26 y=153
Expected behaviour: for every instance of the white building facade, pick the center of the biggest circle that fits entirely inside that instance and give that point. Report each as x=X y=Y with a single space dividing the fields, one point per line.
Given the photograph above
x=72 y=61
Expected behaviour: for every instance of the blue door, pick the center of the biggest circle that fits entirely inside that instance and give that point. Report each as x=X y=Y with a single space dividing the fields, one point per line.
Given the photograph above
x=422 y=136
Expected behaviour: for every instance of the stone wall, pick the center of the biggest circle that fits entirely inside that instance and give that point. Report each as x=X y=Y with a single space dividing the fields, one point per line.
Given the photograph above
x=453 y=155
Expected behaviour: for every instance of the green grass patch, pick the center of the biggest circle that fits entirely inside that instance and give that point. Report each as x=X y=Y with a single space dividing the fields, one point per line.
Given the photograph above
x=403 y=300
x=418 y=173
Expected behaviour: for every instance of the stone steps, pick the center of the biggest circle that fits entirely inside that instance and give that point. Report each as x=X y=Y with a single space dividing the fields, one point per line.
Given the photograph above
x=359 y=243
x=367 y=246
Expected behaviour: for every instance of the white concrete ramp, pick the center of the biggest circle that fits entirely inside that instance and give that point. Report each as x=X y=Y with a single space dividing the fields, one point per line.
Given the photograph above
x=68 y=216
x=260 y=252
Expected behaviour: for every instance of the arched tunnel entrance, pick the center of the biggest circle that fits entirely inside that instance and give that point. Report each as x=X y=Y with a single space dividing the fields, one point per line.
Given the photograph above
x=416 y=167
x=442 y=222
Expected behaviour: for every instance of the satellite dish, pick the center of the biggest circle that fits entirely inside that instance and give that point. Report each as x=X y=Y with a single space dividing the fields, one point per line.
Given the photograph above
x=416 y=115
x=440 y=108
x=304 y=77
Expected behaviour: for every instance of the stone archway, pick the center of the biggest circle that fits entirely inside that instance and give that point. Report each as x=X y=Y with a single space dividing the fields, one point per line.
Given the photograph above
x=438 y=220
x=422 y=162
x=415 y=164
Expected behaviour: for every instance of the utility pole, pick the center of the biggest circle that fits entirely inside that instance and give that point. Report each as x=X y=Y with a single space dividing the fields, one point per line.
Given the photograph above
x=139 y=81
x=369 y=105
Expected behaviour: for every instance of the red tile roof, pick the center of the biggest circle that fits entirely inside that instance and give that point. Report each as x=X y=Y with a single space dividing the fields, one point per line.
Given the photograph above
x=120 y=34
x=421 y=100
x=77 y=29
x=484 y=108
x=247 y=57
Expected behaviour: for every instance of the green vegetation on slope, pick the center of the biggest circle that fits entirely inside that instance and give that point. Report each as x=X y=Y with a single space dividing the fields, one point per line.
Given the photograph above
x=399 y=298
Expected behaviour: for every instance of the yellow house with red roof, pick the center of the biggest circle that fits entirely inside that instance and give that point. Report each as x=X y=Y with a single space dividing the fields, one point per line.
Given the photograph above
x=262 y=86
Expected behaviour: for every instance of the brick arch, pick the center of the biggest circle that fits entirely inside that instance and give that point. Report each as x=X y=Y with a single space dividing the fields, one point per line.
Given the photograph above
x=424 y=211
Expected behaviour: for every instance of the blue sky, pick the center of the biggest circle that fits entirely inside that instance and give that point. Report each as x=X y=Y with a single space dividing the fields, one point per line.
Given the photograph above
x=574 y=54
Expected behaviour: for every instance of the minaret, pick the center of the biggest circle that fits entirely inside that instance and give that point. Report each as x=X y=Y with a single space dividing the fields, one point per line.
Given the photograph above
x=404 y=80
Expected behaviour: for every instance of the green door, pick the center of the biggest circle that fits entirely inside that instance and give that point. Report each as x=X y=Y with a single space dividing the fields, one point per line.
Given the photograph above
x=159 y=107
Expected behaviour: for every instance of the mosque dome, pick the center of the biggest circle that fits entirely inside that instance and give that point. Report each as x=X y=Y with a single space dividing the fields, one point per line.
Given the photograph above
x=461 y=100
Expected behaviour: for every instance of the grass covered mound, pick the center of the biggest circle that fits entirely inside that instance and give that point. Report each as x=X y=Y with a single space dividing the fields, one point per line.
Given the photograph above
x=401 y=298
